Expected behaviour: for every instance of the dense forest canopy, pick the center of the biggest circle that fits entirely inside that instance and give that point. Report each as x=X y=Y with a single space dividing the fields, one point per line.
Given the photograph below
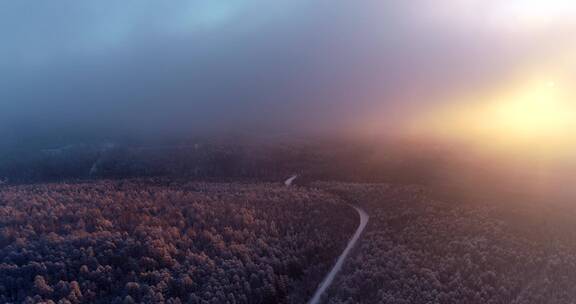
x=421 y=248
x=157 y=241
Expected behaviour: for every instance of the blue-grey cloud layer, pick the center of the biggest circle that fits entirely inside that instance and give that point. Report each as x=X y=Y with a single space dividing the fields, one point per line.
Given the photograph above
x=174 y=67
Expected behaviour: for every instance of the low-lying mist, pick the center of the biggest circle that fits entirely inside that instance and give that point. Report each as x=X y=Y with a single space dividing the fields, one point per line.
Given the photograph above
x=429 y=93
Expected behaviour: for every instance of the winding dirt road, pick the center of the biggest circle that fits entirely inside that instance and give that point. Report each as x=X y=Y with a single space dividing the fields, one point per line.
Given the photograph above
x=338 y=266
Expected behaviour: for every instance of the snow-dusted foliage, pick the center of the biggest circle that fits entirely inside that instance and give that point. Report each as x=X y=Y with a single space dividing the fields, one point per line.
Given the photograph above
x=418 y=249
x=157 y=241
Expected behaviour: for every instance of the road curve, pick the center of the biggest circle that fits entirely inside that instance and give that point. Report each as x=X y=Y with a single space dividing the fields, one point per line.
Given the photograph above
x=338 y=266
x=291 y=180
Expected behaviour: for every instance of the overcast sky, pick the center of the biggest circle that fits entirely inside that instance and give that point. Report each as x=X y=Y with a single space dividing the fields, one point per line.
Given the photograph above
x=106 y=68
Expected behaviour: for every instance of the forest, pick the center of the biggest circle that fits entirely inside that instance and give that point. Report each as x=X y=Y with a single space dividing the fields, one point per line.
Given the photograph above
x=420 y=247
x=162 y=241
x=288 y=152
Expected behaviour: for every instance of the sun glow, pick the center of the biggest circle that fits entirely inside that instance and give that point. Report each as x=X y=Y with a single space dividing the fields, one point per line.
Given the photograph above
x=540 y=114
